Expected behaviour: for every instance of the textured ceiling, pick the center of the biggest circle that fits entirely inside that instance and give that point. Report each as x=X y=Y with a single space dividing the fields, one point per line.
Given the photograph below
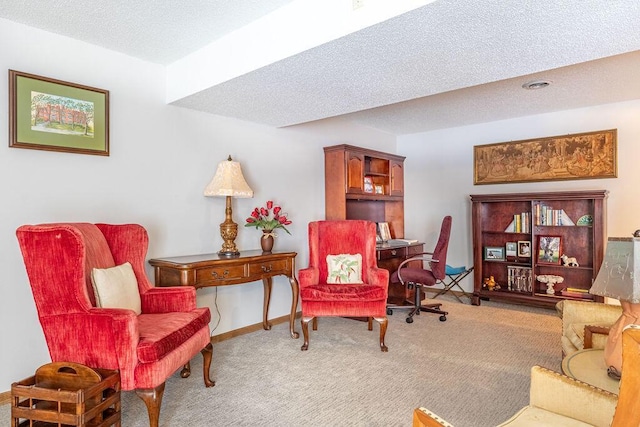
x=445 y=64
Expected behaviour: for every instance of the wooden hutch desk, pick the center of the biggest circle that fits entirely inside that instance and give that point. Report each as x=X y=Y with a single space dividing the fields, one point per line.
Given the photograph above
x=213 y=270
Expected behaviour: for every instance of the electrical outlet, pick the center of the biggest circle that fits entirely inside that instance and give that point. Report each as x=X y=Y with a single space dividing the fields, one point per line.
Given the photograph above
x=357 y=4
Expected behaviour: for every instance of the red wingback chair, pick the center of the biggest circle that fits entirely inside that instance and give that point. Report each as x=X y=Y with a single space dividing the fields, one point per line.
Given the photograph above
x=145 y=348
x=365 y=299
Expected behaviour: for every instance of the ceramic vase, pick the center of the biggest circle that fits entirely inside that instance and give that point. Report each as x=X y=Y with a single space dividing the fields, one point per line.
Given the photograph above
x=266 y=240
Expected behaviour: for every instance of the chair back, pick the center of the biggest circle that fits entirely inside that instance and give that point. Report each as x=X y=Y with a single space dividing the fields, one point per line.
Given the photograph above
x=440 y=251
x=342 y=237
x=59 y=259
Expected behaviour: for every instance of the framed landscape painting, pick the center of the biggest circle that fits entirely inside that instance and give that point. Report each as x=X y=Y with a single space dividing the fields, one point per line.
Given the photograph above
x=53 y=115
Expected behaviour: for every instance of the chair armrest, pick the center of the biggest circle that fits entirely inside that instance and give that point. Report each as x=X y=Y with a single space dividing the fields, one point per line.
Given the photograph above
x=589 y=330
x=308 y=276
x=566 y=396
x=588 y=312
x=378 y=276
x=422 y=417
x=168 y=299
x=105 y=337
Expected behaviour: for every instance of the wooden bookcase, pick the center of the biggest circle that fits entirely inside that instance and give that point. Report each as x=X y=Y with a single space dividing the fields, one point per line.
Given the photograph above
x=577 y=218
x=346 y=197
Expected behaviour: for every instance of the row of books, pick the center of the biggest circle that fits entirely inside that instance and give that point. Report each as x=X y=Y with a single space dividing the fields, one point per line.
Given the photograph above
x=576 y=293
x=546 y=215
x=521 y=223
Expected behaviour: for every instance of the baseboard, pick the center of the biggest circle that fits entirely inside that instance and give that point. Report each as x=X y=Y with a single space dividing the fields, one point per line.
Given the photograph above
x=5 y=398
x=249 y=329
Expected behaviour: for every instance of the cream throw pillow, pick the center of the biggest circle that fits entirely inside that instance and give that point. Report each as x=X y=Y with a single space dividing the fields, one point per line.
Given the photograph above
x=116 y=287
x=344 y=268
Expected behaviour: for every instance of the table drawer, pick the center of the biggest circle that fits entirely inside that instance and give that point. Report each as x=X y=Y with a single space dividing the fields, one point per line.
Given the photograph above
x=220 y=274
x=392 y=253
x=269 y=267
x=412 y=250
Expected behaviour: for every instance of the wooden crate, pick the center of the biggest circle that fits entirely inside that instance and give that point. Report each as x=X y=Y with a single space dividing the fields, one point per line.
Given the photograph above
x=67 y=394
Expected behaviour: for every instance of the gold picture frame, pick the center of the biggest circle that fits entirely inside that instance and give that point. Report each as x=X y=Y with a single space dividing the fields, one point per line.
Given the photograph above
x=54 y=115
x=586 y=155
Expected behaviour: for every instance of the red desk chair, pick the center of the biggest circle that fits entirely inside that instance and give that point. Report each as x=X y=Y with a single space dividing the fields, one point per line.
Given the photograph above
x=417 y=277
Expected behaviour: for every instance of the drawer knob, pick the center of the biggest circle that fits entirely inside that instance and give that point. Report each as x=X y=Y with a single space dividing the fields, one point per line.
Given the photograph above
x=217 y=276
x=266 y=269
x=393 y=252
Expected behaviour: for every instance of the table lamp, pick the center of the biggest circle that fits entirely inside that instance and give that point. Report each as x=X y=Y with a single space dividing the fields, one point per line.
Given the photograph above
x=619 y=278
x=228 y=182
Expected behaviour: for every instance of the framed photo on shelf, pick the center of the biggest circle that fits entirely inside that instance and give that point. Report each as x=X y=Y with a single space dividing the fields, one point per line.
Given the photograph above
x=383 y=231
x=54 y=115
x=524 y=248
x=368 y=184
x=511 y=249
x=494 y=253
x=549 y=249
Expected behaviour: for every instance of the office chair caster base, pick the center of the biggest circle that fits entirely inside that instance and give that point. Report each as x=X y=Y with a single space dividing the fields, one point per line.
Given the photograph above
x=409 y=319
x=443 y=318
x=389 y=312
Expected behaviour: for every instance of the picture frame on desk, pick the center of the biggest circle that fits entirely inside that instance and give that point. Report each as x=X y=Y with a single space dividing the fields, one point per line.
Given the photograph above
x=383 y=231
x=368 y=184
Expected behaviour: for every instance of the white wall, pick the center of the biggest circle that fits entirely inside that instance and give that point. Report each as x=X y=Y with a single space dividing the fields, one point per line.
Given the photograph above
x=161 y=159
x=439 y=172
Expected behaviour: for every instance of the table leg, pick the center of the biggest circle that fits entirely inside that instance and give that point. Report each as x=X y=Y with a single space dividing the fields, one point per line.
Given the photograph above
x=267 y=282
x=294 y=306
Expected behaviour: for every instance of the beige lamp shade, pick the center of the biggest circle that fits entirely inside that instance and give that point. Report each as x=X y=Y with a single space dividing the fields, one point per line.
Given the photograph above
x=228 y=181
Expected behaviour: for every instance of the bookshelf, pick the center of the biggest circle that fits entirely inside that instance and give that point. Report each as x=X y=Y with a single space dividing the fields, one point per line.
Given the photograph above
x=519 y=238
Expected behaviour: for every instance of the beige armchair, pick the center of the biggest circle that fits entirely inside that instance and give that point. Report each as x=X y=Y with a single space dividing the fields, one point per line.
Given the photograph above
x=576 y=315
x=557 y=400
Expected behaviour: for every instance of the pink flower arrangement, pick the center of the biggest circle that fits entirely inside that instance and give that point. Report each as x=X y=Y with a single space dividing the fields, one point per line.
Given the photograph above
x=268 y=218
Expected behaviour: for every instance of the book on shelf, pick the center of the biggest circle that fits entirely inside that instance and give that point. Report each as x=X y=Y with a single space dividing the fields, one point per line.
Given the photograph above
x=521 y=223
x=576 y=293
x=546 y=215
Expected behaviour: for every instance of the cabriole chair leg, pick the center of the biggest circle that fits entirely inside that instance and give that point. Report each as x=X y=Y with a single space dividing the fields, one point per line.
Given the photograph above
x=207 y=354
x=304 y=321
x=152 y=398
x=383 y=330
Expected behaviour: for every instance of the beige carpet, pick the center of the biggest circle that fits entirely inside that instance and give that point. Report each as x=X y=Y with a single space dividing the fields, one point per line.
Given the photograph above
x=472 y=370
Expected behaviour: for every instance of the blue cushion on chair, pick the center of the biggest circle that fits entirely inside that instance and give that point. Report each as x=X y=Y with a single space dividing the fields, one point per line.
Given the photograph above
x=454 y=270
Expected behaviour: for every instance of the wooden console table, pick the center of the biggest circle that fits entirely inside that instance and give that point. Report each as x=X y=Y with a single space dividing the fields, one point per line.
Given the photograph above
x=213 y=270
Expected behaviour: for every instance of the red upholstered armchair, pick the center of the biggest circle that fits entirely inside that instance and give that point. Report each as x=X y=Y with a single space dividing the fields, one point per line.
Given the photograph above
x=145 y=348
x=359 y=289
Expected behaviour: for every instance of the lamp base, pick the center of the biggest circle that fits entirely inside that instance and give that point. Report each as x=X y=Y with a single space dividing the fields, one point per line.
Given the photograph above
x=613 y=346
x=228 y=232
x=229 y=254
